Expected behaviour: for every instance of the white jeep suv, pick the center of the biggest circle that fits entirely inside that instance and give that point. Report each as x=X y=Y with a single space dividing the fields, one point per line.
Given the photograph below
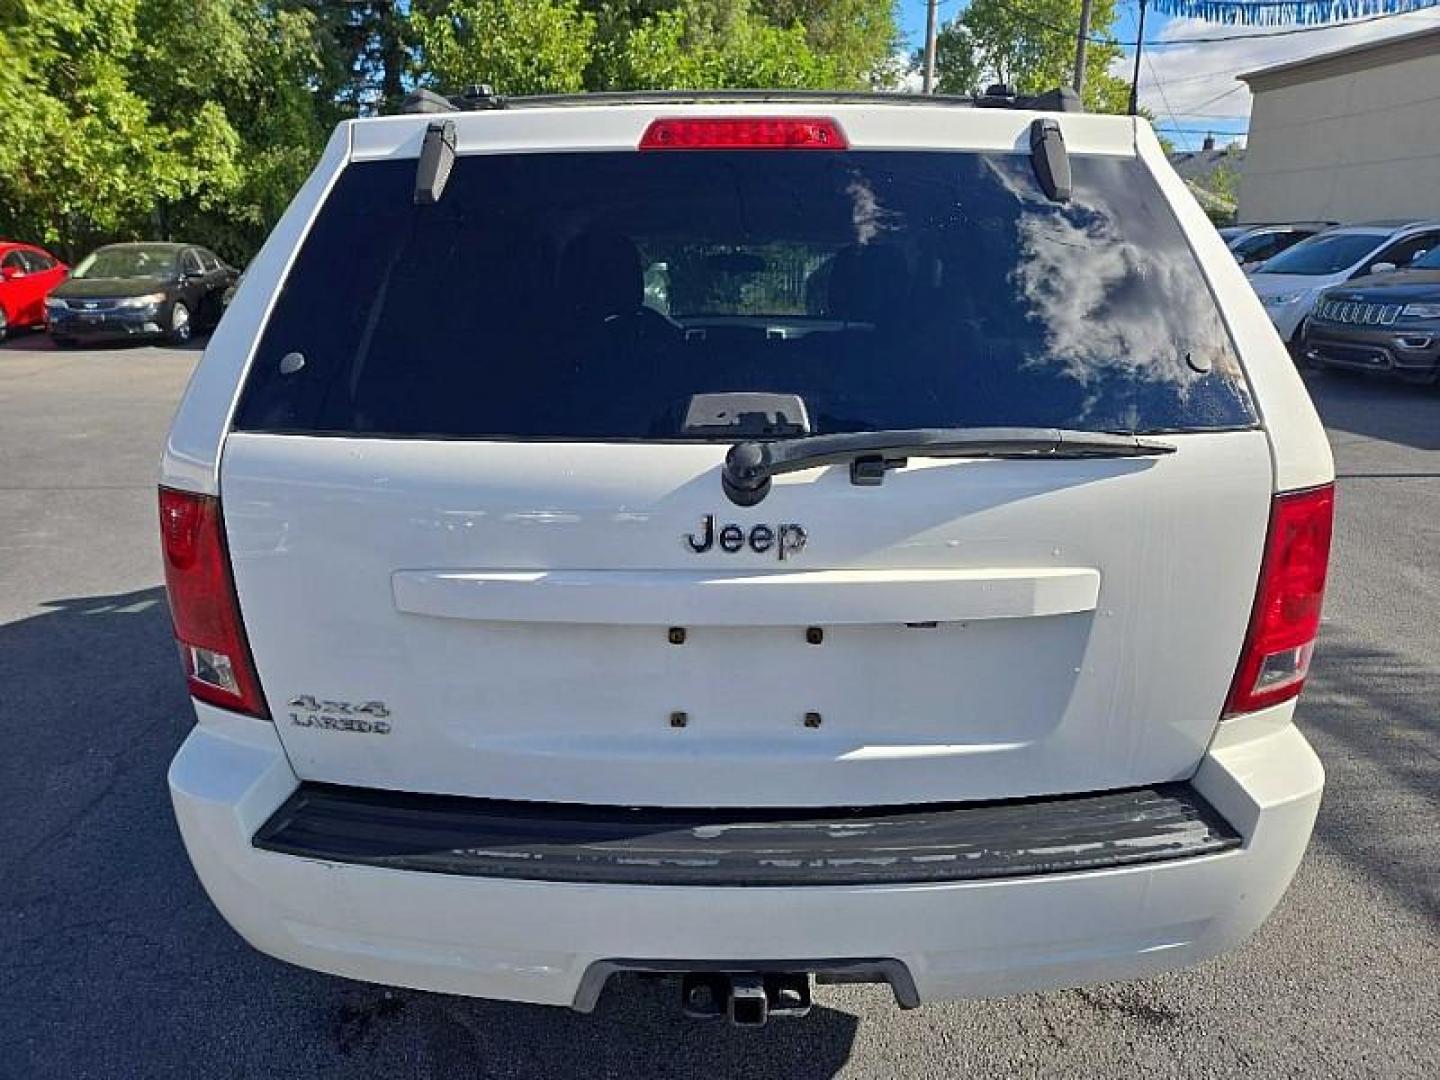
x=759 y=538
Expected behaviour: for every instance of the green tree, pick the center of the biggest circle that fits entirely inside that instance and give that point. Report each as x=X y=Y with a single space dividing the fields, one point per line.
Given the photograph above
x=515 y=46
x=1026 y=44
x=1224 y=179
x=77 y=158
x=231 y=81
x=707 y=45
x=959 y=67
x=364 y=51
x=857 y=38
x=129 y=118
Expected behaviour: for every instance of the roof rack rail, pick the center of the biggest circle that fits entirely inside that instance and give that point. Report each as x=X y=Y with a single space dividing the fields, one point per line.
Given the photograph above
x=483 y=98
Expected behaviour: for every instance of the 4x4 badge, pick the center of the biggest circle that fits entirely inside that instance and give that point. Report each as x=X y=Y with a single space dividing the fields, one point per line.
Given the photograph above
x=785 y=540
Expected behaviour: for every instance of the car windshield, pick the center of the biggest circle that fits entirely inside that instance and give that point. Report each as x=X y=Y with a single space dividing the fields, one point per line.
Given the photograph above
x=1325 y=254
x=1428 y=261
x=614 y=296
x=127 y=262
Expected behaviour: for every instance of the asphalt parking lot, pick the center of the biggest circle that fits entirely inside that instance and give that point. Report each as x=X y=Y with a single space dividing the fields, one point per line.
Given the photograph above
x=113 y=963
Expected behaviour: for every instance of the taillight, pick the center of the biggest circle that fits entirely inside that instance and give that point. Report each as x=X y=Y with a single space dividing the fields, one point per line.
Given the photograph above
x=743 y=133
x=203 y=606
x=1286 y=618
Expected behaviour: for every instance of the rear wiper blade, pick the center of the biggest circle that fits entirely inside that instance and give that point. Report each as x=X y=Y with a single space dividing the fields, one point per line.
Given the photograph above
x=749 y=465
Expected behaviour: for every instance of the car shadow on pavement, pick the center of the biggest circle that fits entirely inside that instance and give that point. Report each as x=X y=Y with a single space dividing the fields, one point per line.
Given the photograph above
x=114 y=963
x=37 y=341
x=1377 y=408
x=1372 y=717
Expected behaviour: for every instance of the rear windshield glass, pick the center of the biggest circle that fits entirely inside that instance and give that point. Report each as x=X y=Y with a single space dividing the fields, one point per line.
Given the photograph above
x=592 y=296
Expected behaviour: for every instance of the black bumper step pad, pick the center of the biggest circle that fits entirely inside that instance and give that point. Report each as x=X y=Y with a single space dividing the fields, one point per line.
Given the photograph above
x=566 y=842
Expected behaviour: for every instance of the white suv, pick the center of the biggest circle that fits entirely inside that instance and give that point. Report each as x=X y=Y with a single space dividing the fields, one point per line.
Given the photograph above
x=757 y=539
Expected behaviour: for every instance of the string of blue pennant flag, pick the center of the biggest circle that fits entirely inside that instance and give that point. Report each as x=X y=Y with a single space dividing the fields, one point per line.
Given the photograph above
x=1285 y=12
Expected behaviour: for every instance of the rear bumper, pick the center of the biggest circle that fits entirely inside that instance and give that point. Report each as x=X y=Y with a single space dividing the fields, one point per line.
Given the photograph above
x=535 y=941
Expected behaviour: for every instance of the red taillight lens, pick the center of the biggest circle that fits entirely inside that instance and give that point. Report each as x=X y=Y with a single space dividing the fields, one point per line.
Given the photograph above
x=203 y=605
x=1287 y=602
x=744 y=133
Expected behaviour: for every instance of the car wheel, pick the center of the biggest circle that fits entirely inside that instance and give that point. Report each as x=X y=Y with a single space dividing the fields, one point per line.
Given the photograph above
x=180 y=327
x=4 y=324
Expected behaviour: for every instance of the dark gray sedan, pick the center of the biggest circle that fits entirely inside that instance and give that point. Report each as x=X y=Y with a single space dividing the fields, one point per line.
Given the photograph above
x=143 y=290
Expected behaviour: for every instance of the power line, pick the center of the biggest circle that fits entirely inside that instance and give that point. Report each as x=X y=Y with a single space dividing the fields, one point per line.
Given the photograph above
x=1202 y=76
x=1164 y=99
x=1140 y=33
x=1208 y=101
x=1196 y=131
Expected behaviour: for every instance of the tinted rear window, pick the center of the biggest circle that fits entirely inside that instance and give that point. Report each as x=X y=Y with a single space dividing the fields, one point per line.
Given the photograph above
x=591 y=295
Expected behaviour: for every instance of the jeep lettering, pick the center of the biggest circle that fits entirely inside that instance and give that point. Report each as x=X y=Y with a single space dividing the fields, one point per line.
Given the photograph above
x=787 y=539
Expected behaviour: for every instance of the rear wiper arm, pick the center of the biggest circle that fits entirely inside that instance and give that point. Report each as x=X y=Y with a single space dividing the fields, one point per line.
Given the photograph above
x=749 y=465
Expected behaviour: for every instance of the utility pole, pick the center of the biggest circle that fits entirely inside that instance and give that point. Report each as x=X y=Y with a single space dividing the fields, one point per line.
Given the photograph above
x=928 y=86
x=1139 y=48
x=1081 y=41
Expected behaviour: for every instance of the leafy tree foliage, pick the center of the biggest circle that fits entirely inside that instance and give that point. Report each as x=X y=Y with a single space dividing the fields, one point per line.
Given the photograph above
x=239 y=74
x=709 y=45
x=76 y=155
x=123 y=118
x=858 y=38
x=829 y=43
x=363 y=50
x=515 y=46
x=1026 y=44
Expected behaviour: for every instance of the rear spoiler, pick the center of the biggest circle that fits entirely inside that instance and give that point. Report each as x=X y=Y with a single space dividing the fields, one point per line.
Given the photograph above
x=483 y=99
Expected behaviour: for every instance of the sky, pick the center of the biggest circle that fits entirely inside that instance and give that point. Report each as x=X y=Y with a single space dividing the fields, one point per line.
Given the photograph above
x=1192 y=89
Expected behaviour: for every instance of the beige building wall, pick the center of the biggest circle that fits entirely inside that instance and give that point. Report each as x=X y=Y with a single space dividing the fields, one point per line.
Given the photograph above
x=1350 y=137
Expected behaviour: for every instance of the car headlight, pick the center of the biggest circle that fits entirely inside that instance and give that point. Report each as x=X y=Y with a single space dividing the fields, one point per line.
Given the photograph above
x=54 y=303
x=1421 y=311
x=1283 y=298
x=149 y=300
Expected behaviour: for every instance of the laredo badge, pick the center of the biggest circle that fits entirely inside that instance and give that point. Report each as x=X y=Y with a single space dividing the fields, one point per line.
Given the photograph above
x=366 y=718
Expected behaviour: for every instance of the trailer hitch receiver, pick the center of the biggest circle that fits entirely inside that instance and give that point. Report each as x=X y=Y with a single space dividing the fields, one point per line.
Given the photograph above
x=746 y=999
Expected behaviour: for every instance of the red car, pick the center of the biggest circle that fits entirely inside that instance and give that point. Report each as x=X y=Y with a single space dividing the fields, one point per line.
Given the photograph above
x=27 y=275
